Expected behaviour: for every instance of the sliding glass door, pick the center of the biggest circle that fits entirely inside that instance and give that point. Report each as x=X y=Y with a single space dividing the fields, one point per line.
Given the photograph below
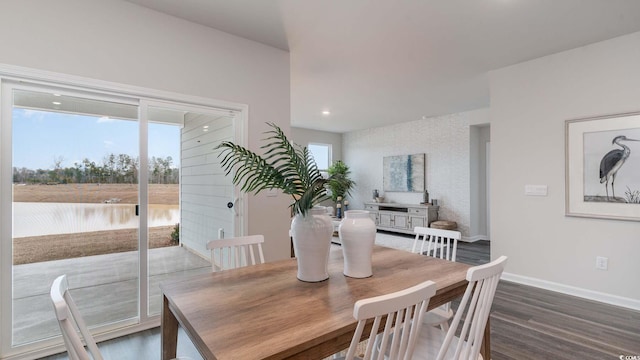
x=75 y=167
x=119 y=193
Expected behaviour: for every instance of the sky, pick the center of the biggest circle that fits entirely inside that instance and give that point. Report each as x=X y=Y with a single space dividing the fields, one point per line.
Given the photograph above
x=40 y=137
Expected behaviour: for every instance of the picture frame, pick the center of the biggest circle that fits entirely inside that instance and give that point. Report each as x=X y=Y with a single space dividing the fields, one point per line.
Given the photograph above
x=602 y=167
x=404 y=173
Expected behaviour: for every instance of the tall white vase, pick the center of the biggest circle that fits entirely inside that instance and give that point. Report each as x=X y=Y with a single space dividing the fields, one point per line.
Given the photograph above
x=311 y=242
x=357 y=234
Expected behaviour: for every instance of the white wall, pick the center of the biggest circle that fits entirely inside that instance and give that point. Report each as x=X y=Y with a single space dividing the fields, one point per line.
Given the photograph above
x=303 y=137
x=444 y=140
x=530 y=103
x=120 y=42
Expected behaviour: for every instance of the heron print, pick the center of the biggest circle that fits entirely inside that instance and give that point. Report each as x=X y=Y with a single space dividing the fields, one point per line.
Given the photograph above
x=612 y=166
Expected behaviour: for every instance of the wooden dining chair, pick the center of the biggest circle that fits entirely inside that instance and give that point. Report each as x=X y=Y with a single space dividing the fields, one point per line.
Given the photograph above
x=236 y=252
x=434 y=343
x=69 y=319
x=403 y=311
x=442 y=244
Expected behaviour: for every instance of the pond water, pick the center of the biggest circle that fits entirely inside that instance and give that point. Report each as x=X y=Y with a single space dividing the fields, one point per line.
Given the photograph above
x=34 y=219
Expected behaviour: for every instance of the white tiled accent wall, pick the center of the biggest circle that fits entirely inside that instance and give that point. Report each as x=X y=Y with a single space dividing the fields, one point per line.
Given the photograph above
x=444 y=140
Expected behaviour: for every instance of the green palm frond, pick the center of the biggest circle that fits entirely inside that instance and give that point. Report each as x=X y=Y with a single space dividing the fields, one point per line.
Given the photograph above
x=283 y=166
x=339 y=182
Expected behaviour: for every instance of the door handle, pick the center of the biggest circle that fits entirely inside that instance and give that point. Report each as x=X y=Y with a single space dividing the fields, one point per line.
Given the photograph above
x=231 y=205
x=137 y=210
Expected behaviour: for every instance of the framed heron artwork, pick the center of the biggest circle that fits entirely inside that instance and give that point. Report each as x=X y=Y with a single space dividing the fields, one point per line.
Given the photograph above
x=602 y=167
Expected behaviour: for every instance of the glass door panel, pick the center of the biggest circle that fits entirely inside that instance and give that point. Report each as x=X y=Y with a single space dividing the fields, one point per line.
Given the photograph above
x=185 y=177
x=75 y=190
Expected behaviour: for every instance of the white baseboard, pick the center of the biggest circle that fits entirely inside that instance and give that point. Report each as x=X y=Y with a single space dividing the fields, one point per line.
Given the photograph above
x=575 y=291
x=474 y=238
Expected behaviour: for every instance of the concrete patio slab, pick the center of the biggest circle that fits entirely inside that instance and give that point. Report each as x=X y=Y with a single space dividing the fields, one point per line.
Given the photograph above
x=105 y=288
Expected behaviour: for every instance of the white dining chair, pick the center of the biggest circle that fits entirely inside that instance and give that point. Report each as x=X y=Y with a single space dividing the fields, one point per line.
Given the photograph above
x=403 y=311
x=434 y=343
x=236 y=252
x=71 y=322
x=69 y=319
x=439 y=243
x=442 y=244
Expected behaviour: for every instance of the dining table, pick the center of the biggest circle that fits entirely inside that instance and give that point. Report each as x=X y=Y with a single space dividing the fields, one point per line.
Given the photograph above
x=264 y=312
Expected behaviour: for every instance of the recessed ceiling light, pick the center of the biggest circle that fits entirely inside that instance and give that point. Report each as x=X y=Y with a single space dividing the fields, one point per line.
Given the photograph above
x=56 y=102
x=326 y=112
x=57 y=95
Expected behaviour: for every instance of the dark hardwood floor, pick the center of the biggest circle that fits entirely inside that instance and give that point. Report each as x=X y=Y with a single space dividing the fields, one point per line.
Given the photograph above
x=475 y=253
x=526 y=323
x=532 y=323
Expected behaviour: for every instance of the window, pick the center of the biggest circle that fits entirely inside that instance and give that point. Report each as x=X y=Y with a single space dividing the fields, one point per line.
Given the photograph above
x=321 y=154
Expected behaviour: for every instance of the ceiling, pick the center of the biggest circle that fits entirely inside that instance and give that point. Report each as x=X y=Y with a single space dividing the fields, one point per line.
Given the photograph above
x=377 y=62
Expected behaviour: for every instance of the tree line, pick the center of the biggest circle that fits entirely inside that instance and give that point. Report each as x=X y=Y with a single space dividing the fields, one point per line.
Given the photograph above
x=114 y=169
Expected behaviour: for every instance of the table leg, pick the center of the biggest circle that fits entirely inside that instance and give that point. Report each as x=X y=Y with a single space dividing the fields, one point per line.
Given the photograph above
x=169 y=326
x=485 y=348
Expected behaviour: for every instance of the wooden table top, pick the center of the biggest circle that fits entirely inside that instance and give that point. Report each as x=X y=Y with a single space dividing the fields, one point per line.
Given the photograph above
x=265 y=312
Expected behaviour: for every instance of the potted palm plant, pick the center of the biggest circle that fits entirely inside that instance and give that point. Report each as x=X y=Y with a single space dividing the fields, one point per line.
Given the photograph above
x=292 y=169
x=339 y=183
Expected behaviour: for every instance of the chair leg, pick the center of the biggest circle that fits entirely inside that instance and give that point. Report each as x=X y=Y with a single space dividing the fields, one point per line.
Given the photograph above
x=444 y=326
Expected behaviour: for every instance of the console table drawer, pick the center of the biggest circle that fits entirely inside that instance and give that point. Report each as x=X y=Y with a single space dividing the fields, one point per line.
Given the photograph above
x=401 y=217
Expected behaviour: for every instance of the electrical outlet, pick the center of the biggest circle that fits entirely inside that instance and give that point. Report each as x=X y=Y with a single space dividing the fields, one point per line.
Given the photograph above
x=602 y=263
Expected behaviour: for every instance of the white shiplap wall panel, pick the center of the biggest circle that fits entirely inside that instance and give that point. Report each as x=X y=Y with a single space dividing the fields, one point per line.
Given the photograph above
x=197 y=200
x=202 y=145
x=220 y=214
x=194 y=131
x=206 y=169
x=209 y=179
x=205 y=188
x=192 y=161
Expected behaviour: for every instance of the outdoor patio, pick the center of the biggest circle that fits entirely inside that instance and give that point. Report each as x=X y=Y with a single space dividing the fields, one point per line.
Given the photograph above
x=105 y=287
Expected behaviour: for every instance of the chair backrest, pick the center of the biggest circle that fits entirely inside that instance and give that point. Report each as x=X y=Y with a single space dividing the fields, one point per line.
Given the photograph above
x=439 y=243
x=69 y=319
x=403 y=311
x=236 y=252
x=477 y=300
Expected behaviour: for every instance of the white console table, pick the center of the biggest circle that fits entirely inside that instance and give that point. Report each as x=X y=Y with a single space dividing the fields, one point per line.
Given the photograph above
x=401 y=217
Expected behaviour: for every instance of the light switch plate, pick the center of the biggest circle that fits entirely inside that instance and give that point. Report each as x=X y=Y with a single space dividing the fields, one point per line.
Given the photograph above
x=535 y=190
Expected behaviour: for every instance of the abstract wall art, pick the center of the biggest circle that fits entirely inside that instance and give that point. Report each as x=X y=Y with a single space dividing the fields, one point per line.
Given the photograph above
x=404 y=173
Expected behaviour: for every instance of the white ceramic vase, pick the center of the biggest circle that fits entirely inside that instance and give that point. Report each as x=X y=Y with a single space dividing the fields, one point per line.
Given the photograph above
x=357 y=234
x=311 y=243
